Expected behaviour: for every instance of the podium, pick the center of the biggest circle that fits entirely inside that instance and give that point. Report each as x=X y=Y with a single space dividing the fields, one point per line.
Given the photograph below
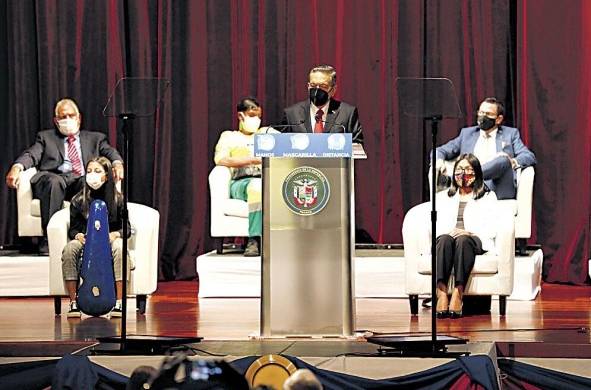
x=307 y=285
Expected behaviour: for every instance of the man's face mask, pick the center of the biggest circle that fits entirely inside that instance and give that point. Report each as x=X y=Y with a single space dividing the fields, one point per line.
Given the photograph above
x=250 y=124
x=318 y=96
x=94 y=180
x=68 y=126
x=486 y=123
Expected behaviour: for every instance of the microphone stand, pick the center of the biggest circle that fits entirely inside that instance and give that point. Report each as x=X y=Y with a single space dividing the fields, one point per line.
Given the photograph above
x=281 y=126
x=434 y=126
x=335 y=124
x=126 y=119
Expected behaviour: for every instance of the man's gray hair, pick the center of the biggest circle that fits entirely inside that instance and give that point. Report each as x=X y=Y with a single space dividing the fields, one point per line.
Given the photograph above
x=64 y=102
x=327 y=70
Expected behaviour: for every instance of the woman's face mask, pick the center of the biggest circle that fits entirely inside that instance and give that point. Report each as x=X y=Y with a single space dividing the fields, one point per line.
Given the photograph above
x=95 y=175
x=464 y=176
x=95 y=180
x=250 y=124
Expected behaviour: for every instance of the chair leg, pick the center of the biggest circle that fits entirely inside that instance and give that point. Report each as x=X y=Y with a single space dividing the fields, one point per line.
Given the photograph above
x=57 y=305
x=502 y=304
x=141 y=303
x=413 y=300
x=521 y=246
x=27 y=246
x=219 y=245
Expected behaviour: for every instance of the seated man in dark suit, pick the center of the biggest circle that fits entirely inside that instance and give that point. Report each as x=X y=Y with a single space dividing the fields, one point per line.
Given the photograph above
x=321 y=113
x=60 y=155
x=499 y=148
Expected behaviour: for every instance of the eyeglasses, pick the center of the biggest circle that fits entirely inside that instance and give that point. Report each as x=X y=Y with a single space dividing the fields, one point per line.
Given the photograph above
x=488 y=114
x=323 y=86
x=461 y=171
x=67 y=116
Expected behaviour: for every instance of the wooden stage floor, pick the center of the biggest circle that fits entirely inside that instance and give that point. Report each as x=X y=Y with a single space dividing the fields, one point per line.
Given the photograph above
x=558 y=320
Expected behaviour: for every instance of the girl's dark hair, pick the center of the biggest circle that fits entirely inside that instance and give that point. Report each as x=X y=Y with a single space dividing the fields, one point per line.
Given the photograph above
x=108 y=192
x=247 y=103
x=478 y=187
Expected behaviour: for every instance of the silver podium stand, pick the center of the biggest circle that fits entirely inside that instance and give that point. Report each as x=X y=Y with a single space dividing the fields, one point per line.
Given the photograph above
x=307 y=286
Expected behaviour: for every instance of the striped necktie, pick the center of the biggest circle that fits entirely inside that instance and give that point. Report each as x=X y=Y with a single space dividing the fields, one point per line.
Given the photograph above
x=73 y=156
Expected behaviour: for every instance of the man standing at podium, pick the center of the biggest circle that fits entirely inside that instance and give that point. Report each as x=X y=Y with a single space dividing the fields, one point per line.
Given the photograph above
x=321 y=113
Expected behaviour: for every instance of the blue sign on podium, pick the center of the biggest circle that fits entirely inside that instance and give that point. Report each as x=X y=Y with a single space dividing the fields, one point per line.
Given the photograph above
x=304 y=145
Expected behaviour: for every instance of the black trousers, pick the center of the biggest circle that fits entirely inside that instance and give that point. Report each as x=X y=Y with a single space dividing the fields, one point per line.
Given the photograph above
x=52 y=189
x=456 y=255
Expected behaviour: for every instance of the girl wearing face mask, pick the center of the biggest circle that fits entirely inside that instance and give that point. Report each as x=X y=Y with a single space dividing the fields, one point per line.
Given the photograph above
x=465 y=228
x=99 y=184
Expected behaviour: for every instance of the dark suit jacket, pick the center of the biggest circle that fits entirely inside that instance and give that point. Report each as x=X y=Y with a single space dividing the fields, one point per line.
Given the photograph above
x=47 y=153
x=339 y=113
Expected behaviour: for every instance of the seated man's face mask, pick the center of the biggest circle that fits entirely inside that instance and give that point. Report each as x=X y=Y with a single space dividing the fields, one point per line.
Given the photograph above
x=485 y=122
x=68 y=126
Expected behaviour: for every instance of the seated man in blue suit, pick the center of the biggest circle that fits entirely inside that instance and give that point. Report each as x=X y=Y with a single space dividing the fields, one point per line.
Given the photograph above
x=499 y=149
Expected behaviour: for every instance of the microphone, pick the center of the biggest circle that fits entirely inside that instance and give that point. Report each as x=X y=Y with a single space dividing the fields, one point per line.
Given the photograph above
x=282 y=126
x=335 y=124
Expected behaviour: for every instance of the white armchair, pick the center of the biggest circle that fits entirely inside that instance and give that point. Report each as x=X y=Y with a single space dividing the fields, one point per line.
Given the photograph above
x=143 y=250
x=521 y=205
x=229 y=217
x=492 y=273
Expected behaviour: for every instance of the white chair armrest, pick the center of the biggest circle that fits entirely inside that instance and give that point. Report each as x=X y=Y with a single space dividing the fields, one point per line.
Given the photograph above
x=505 y=248
x=219 y=179
x=28 y=225
x=525 y=190
x=146 y=223
x=24 y=192
x=416 y=237
x=57 y=236
x=219 y=191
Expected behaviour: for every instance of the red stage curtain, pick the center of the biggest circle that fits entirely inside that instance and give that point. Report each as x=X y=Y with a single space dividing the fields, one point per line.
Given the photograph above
x=216 y=51
x=553 y=112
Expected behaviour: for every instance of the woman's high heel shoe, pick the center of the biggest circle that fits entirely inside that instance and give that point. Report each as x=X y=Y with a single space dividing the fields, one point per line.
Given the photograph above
x=453 y=314
x=456 y=296
x=440 y=312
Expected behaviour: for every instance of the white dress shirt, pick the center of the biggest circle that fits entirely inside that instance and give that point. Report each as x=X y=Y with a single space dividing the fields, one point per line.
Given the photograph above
x=486 y=146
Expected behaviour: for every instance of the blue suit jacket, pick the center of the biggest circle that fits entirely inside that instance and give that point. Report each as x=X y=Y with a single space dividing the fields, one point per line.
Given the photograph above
x=495 y=171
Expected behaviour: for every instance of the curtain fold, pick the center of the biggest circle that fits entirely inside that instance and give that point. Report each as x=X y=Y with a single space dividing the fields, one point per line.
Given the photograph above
x=554 y=111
